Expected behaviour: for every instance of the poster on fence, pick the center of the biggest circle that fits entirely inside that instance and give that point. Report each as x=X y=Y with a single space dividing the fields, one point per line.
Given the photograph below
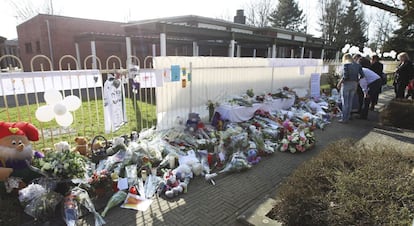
x=114 y=104
x=315 y=84
x=293 y=62
x=39 y=81
x=149 y=78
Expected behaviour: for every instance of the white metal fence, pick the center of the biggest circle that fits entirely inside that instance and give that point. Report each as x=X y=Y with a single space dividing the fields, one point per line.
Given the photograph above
x=174 y=87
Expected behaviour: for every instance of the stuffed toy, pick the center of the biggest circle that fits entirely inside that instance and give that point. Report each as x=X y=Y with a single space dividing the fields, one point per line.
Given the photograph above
x=62 y=146
x=173 y=185
x=16 y=150
x=252 y=156
x=117 y=144
x=81 y=146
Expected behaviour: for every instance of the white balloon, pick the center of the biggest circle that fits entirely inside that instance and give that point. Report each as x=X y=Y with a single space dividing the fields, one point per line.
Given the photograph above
x=72 y=102
x=60 y=109
x=52 y=96
x=45 y=113
x=64 y=120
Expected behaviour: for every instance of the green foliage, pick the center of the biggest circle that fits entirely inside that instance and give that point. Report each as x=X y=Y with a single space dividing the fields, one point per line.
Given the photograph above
x=352 y=26
x=343 y=24
x=403 y=38
x=288 y=15
x=332 y=10
x=349 y=184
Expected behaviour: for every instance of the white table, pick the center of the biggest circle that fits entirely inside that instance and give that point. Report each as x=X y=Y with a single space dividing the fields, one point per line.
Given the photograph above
x=236 y=113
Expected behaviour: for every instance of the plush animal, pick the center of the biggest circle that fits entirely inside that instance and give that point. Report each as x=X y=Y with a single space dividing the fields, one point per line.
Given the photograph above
x=172 y=185
x=252 y=156
x=117 y=144
x=16 y=151
x=81 y=146
x=62 y=146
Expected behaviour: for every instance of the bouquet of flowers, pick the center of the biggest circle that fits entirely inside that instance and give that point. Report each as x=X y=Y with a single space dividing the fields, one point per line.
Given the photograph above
x=250 y=93
x=211 y=107
x=299 y=140
x=99 y=179
x=62 y=164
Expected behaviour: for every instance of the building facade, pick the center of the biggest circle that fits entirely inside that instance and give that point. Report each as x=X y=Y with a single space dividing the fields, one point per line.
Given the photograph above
x=58 y=36
x=8 y=47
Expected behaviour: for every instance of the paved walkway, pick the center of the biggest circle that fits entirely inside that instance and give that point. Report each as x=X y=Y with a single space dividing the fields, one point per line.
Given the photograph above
x=234 y=194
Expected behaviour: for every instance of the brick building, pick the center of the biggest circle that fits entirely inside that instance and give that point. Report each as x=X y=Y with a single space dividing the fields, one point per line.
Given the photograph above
x=58 y=36
x=8 y=47
x=54 y=37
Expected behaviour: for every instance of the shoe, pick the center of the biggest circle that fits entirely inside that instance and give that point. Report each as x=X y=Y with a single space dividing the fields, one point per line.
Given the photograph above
x=342 y=121
x=372 y=108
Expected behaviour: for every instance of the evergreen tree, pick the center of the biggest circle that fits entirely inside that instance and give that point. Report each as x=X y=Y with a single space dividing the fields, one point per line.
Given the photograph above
x=288 y=15
x=352 y=27
x=403 y=38
x=330 y=19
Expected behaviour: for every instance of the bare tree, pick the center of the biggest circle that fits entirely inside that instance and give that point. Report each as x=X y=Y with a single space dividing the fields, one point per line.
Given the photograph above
x=404 y=9
x=383 y=29
x=26 y=9
x=258 y=12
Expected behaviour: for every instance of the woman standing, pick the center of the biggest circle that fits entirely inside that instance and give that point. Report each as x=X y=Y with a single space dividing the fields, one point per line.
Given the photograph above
x=351 y=73
x=403 y=74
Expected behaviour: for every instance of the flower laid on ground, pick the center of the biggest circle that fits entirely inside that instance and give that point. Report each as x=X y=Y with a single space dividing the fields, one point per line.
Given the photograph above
x=99 y=179
x=250 y=92
x=300 y=140
x=211 y=107
x=62 y=164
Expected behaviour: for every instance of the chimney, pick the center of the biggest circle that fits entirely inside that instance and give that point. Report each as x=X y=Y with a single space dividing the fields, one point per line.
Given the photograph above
x=240 y=18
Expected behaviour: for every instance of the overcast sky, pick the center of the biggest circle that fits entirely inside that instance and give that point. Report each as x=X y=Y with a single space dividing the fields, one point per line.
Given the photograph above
x=131 y=10
x=127 y=10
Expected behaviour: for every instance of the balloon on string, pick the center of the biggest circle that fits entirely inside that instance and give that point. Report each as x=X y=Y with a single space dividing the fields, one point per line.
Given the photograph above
x=64 y=120
x=45 y=113
x=346 y=48
x=52 y=96
x=72 y=102
x=60 y=109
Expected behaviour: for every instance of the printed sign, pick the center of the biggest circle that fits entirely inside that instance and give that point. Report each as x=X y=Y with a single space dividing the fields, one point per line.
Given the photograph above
x=32 y=82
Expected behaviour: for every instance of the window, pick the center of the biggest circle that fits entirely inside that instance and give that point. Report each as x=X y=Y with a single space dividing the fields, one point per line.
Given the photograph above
x=38 y=47
x=28 y=47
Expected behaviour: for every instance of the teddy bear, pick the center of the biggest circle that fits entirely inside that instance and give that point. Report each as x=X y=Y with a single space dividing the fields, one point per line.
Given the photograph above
x=81 y=146
x=16 y=151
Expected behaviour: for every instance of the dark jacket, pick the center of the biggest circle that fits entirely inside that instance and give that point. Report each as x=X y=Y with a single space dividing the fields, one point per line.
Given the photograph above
x=405 y=72
x=378 y=68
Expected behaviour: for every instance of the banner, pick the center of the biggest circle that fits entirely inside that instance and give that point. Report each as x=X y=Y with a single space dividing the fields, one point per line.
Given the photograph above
x=149 y=78
x=40 y=81
x=293 y=62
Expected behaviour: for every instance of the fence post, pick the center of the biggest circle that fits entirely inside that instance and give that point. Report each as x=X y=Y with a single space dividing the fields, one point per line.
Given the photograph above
x=190 y=80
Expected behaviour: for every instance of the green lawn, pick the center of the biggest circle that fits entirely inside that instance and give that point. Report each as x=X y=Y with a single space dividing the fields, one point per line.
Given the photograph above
x=88 y=121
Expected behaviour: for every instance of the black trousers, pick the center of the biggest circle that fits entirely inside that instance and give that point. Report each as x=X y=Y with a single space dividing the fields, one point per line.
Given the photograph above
x=374 y=89
x=399 y=88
